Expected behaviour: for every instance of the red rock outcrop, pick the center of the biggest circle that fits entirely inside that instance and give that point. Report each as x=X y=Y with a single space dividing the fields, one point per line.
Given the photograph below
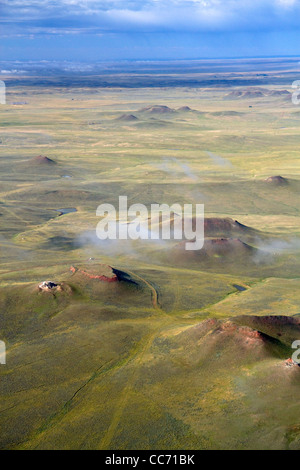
x=101 y=272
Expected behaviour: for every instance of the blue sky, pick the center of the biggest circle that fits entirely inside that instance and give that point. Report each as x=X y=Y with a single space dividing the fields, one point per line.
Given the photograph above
x=91 y=30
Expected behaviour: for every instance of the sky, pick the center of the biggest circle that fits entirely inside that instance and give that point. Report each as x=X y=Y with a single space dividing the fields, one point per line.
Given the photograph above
x=95 y=30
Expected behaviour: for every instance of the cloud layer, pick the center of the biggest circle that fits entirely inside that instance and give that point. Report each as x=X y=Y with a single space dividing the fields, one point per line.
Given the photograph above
x=19 y=17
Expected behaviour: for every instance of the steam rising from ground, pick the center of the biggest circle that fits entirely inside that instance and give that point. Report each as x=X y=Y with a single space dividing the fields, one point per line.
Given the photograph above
x=220 y=161
x=89 y=240
x=175 y=168
x=268 y=249
x=277 y=247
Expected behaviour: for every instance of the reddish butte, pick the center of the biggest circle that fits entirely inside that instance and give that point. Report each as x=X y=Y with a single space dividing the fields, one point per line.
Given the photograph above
x=100 y=277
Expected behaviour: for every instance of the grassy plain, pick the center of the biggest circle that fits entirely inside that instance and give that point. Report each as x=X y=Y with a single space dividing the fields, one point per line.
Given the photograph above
x=181 y=359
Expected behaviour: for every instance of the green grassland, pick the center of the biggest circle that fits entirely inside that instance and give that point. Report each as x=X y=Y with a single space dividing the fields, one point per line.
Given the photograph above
x=179 y=358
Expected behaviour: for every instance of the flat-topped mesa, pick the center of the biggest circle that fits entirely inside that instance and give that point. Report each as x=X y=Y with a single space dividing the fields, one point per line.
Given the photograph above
x=99 y=272
x=42 y=160
x=214 y=226
x=225 y=225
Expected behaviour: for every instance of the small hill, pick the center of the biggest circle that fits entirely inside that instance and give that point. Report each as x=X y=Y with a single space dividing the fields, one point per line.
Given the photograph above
x=96 y=280
x=215 y=225
x=283 y=328
x=253 y=94
x=229 y=337
x=226 y=113
x=280 y=93
x=277 y=180
x=234 y=95
x=184 y=109
x=157 y=109
x=99 y=272
x=226 y=247
x=250 y=93
x=256 y=93
x=127 y=118
x=215 y=248
x=42 y=160
x=53 y=288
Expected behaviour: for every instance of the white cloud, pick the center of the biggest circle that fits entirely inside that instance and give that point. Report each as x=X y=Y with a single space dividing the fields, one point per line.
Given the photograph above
x=150 y=15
